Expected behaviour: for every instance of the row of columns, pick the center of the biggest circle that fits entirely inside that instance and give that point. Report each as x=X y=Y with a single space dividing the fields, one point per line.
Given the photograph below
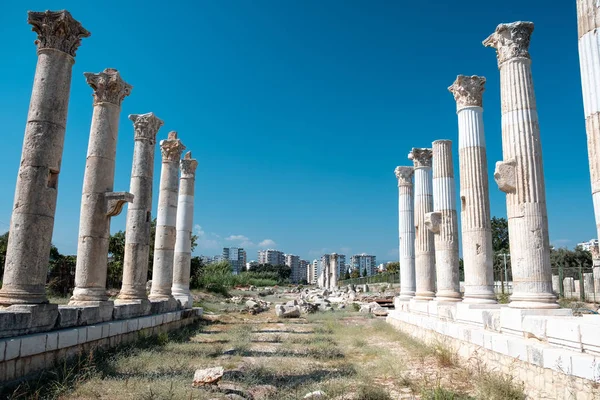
x=32 y=222
x=519 y=175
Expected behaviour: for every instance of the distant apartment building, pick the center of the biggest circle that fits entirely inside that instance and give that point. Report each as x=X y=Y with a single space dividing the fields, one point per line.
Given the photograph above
x=364 y=261
x=270 y=256
x=341 y=263
x=304 y=264
x=588 y=245
x=312 y=272
x=236 y=257
x=293 y=261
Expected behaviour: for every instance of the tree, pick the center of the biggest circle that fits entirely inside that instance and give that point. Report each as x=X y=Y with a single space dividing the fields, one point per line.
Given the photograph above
x=500 y=234
x=392 y=267
x=347 y=275
x=61 y=272
x=364 y=272
x=196 y=271
x=355 y=273
x=283 y=271
x=3 y=248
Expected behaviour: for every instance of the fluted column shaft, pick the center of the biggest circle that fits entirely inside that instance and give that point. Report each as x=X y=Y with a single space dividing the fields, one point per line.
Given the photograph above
x=98 y=201
x=474 y=191
x=424 y=241
x=334 y=271
x=521 y=174
x=588 y=22
x=406 y=229
x=443 y=223
x=139 y=213
x=32 y=220
x=183 y=241
x=164 y=245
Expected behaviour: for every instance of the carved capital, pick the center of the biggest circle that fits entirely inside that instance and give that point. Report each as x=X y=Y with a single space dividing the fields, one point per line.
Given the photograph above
x=421 y=157
x=146 y=126
x=115 y=202
x=171 y=148
x=57 y=30
x=188 y=166
x=468 y=91
x=108 y=86
x=433 y=221
x=404 y=175
x=505 y=176
x=510 y=40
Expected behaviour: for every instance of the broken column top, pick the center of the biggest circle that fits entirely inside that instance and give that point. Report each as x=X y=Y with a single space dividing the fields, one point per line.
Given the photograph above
x=510 y=40
x=146 y=126
x=404 y=175
x=468 y=91
x=188 y=165
x=421 y=157
x=171 y=148
x=108 y=86
x=57 y=30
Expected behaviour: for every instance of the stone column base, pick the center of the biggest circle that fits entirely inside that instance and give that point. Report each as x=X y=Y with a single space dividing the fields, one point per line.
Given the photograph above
x=93 y=312
x=479 y=314
x=186 y=300
x=23 y=319
x=533 y=301
x=163 y=305
x=131 y=308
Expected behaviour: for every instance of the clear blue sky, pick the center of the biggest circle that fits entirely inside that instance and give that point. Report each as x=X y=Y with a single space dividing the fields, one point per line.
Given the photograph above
x=299 y=111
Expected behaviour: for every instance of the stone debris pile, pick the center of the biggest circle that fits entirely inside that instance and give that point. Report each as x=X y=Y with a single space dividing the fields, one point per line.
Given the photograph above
x=252 y=305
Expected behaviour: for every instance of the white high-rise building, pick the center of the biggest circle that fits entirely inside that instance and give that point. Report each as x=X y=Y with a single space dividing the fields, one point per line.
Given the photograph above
x=293 y=261
x=588 y=245
x=270 y=256
x=236 y=257
x=312 y=272
x=364 y=261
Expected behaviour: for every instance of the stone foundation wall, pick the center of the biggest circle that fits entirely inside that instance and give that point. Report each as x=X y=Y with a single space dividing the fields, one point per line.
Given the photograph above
x=547 y=372
x=24 y=355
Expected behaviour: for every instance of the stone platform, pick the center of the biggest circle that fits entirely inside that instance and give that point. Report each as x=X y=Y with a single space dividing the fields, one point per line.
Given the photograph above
x=554 y=354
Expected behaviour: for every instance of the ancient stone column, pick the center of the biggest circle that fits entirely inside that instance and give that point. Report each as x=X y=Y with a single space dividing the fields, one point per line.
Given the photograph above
x=443 y=223
x=139 y=213
x=406 y=229
x=333 y=267
x=185 y=223
x=424 y=241
x=99 y=203
x=164 y=245
x=474 y=191
x=588 y=22
x=32 y=221
x=520 y=175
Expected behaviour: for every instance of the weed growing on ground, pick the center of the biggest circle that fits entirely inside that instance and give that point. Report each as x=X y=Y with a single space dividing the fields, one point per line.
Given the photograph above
x=497 y=386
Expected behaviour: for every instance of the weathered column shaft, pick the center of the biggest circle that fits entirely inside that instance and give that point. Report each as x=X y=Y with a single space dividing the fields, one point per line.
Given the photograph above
x=521 y=174
x=139 y=213
x=32 y=221
x=424 y=241
x=99 y=202
x=588 y=22
x=406 y=229
x=443 y=223
x=185 y=223
x=474 y=191
x=164 y=245
x=334 y=271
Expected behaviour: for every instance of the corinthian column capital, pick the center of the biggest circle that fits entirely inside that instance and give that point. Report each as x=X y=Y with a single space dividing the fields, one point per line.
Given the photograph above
x=404 y=175
x=421 y=157
x=188 y=165
x=146 y=126
x=468 y=91
x=57 y=30
x=108 y=86
x=171 y=148
x=510 y=40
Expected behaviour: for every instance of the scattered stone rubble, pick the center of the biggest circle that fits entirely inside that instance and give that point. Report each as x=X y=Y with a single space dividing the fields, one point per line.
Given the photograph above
x=252 y=305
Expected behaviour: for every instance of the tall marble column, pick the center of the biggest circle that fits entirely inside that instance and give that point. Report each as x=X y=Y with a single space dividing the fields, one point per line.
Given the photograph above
x=424 y=241
x=139 y=213
x=32 y=221
x=334 y=271
x=406 y=229
x=185 y=223
x=443 y=223
x=520 y=175
x=164 y=245
x=99 y=203
x=588 y=22
x=474 y=191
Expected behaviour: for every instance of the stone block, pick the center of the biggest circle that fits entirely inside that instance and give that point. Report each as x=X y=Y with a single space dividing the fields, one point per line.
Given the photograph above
x=68 y=338
x=419 y=307
x=511 y=319
x=51 y=341
x=2 y=350
x=517 y=348
x=162 y=306
x=10 y=370
x=14 y=323
x=145 y=322
x=557 y=359
x=585 y=366
x=500 y=344
x=94 y=332
x=535 y=355
x=132 y=325
x=13 y=348
x=564 y=332
x=590 y=337
x=115 y=328
x=199 y=311
x=67 y=316
x=33 y=344
x=43 y=316
x=126 y=310
x=82 y=335
x=472 y=314
x=105 y=330
x=534 y=327
x=38 y=362
x=477 y=337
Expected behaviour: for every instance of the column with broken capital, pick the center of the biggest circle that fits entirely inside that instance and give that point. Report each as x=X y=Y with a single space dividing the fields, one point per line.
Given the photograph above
x=474 y=191
x=406 y=229
x=99 y=203
x=183 y=241
x=32 y=220
x=520 y=175
x=424 y=241
x=166 y=219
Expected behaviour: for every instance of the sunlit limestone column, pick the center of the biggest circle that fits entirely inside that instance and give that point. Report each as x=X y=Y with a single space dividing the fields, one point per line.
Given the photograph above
x=424 y=241
x=443 y=223
x=333 y=268
x=588 y=22
x=32 y=221
x=166 y=217
x=406 y=229
x=520 y=175
x=99 y=203
x=474 y=191
x=183 y=241
x=139 y=213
